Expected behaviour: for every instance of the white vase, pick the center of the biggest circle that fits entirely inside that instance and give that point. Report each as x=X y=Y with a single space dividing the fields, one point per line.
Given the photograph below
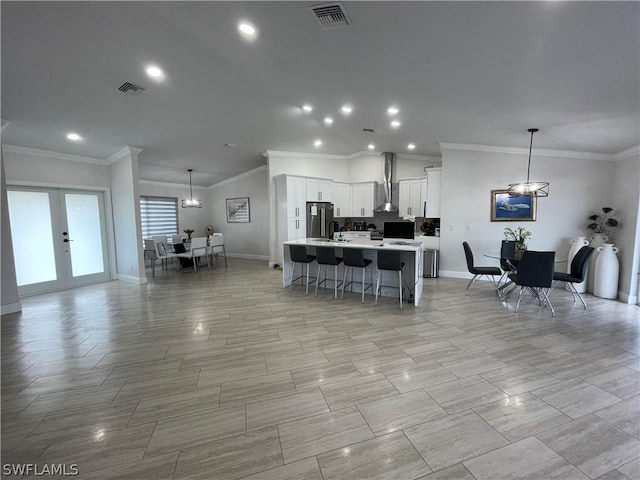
x=597 y=239
x=607 y=269
x=576 y=244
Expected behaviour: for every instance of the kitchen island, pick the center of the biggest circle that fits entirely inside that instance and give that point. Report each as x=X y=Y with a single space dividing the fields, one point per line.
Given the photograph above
x=412 y=253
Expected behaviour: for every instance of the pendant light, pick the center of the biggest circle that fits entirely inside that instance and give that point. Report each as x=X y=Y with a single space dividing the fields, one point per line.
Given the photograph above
x=535 y=189
x=191 y=202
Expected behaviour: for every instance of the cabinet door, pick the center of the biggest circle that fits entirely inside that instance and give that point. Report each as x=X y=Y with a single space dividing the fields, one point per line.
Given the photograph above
x=341 y=198
x=403 y=198
x=423 y=197
x=324 y=188
x=433 y=194
x=313 y=190
x=368 y=199
x=356 y=200
x=296 y=229
x=300 y=197
x=292 y=211
x=415 y=200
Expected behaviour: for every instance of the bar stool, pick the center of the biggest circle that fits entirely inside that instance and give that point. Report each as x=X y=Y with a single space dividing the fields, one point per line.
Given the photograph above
x=298 y=254
x=389 y=260
x=327 y=256
x=354 y=258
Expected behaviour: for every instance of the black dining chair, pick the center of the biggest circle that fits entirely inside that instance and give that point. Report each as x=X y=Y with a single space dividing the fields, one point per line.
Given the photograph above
x=535 y=273
x=298 y=254
x=327 y=256
x=577 y=274
x=508 y=262
x=479 y=271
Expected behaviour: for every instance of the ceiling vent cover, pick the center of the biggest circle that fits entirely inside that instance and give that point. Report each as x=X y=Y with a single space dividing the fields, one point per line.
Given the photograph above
x=331 y=15
x=129 y=88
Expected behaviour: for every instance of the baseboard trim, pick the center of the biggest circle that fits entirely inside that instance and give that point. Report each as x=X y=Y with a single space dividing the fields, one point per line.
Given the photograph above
x=132 y=279
x=626 y=298
x=11 y=308
x=248 y=256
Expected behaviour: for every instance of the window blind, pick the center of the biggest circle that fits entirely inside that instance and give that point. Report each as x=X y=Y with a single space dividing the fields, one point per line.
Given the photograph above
x=159 y=216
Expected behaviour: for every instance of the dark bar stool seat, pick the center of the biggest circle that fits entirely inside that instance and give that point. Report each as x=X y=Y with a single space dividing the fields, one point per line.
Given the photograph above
x=390 y=260
x=327 y=256
x=354 y=258
x=298 y=254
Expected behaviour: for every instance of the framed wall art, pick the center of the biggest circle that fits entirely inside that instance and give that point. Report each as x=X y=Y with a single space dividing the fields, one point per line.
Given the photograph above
x=238 y=210
x=506 y=208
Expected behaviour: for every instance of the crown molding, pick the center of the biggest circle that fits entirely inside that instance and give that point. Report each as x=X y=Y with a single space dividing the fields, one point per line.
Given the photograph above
x=128 y=150
x=629 y=152
x=525 y=151
x=248 y=173
x=170 y=184
x=35 y=152
x=282 y=153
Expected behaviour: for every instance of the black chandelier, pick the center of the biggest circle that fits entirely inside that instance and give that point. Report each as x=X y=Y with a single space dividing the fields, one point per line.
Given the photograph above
x=191 y=202
x=535 y=189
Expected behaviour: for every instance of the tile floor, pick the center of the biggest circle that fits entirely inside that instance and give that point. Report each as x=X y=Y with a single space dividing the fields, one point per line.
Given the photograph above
x=225 y=375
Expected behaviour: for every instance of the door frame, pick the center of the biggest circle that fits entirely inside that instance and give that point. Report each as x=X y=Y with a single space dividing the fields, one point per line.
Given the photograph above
x=108 y=219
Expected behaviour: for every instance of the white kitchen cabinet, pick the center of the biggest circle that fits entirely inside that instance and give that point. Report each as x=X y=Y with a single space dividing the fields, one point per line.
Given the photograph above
x=296 y=229
x=341 y=198
x=318 y=190
x=363 y=197
x=296 y=196
x=431 y=193
x=410 y=198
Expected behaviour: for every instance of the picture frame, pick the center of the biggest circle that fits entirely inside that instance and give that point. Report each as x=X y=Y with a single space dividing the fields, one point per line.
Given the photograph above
x=238 y=210
x=507 y=208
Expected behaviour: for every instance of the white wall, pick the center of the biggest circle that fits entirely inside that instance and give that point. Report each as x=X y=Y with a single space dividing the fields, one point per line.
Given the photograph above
x=626 y=198
x=9 y=287
x=578 y=186
x=126 y=216
x=196 y=218
x=247 y=240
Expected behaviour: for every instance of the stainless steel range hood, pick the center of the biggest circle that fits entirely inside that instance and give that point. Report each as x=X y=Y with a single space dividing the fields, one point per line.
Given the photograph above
x=387 y=206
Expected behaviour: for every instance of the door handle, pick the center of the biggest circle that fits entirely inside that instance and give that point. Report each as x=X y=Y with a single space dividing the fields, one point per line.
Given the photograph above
x=339 y=214
x=67 y=240
x=425 y=209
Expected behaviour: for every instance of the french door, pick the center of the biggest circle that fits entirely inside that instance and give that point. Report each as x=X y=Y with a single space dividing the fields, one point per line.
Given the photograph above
x=59 y=238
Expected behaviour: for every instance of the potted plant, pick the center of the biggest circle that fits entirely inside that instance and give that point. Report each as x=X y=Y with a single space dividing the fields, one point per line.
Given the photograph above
x=602 y=224
x=520 y=236
x=189 y=231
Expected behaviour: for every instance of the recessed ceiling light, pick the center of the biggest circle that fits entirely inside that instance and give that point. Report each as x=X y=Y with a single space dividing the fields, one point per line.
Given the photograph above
x=317 y=143
x=346 y=109
x=247 y=29
x=371 y=146
x=74 y=136
x=328 y=120
x=392 y=110
x=411 y=146
x=154 y=72
x=395 y=124
x=307 y=108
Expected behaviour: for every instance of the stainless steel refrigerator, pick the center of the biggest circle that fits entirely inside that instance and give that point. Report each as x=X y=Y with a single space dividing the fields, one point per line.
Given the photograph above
x=320 y=220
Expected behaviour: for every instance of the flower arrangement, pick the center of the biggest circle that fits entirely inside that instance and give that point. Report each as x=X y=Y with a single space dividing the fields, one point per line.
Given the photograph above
x=188 y=231
x=519 y=235
x=604 y=223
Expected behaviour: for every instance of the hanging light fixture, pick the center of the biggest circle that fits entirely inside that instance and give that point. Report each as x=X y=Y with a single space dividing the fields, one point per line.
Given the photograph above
x=536 y=189
x=191 y=202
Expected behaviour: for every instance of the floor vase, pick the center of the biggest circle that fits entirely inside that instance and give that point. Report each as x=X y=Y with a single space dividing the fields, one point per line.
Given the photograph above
x=597 y=239
x=576 y=244
x=607 y=269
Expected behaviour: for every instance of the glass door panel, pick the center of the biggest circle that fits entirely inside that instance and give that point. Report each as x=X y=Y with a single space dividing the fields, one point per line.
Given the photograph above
x=32 y=236
x=85 y=234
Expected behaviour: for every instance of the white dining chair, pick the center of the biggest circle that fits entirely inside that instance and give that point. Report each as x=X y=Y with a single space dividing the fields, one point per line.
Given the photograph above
x=150 y=253
x=163 y=253
x=216 y=241
x=198 y=249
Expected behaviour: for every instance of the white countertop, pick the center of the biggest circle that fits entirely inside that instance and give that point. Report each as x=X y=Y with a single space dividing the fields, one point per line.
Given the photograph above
x=359 y=243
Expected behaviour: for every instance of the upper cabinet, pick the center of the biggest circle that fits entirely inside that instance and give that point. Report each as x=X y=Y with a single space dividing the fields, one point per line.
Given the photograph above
x=318 y=190
x=363 y=197
x=296 y=194
x=410 y=199
x=431 y=193
x=341 y=198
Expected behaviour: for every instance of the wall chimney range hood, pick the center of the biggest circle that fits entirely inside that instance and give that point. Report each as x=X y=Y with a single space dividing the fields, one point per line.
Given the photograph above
x=387 y=206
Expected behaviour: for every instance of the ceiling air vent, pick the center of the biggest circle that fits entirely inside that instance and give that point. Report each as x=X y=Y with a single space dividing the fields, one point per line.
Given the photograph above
x=331 y=15
x=129 y=88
